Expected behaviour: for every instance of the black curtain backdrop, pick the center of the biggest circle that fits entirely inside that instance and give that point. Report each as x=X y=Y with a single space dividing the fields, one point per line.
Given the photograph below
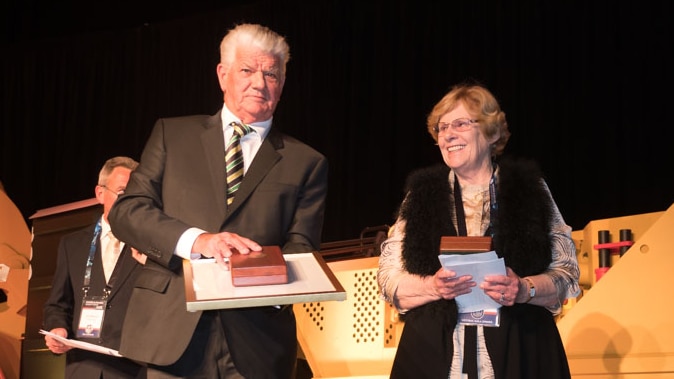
x=586 y=86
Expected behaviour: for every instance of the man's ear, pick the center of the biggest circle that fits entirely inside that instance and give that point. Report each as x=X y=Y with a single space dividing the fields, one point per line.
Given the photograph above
x=221 y=71
x=99 y=191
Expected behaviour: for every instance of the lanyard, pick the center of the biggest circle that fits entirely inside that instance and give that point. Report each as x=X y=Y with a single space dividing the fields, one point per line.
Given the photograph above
x=90 y=260
x=461 y=213
x=90 y=263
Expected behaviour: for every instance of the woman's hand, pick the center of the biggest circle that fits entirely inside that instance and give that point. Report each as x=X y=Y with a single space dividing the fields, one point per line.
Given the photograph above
x=502 y=288
x=448 y=286
x=414 y=290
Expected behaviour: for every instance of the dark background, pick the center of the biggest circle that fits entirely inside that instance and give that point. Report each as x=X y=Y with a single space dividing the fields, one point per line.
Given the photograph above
x=586 y=86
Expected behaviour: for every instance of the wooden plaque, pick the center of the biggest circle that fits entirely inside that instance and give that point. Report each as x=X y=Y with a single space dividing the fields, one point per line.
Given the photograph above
x=464 y=245
x=259 y=267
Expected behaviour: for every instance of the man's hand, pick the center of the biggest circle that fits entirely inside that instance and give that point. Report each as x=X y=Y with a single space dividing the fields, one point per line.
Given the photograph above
x=221 y=246
x=55 y=346
x=137 y=255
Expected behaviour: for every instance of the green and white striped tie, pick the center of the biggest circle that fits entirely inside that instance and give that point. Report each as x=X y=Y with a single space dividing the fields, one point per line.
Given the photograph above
x=234 y=159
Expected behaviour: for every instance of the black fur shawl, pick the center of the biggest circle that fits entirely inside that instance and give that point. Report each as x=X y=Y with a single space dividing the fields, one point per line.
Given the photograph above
x=521 y=231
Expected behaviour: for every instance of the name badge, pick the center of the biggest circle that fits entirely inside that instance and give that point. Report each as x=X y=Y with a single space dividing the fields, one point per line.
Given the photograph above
x=91 y=317
x=486 y=317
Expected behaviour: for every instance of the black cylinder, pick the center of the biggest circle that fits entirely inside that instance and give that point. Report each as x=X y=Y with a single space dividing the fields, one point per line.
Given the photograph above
x=625 y=235
x=604 y=254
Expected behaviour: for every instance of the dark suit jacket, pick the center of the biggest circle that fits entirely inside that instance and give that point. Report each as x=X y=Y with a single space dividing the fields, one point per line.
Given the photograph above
x=62 y=309
x=179 y=184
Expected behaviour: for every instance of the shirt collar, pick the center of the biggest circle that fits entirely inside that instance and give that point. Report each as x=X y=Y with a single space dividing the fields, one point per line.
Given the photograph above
x=105 y=227
x=262 y=128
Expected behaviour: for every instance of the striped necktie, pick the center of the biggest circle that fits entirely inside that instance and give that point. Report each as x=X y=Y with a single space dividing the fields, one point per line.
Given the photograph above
x=234 y=159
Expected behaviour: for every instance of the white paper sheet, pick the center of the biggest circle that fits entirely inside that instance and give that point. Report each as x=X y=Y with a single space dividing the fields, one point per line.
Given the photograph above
x=211 y=286
x=478 y=265
x=82 y=345
x=4 y=272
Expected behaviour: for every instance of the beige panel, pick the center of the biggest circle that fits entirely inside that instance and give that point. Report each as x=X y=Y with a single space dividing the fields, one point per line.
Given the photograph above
x=587 y=238
x=356 y=337
x=622 y=327
x=13 y=321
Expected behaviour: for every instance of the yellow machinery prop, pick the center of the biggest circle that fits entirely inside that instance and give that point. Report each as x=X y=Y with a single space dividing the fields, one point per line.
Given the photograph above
x=353 y=338
x=623 y=326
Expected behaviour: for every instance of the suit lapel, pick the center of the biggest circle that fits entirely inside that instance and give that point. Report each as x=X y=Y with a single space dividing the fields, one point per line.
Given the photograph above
x=264 y=160
x=125 y=265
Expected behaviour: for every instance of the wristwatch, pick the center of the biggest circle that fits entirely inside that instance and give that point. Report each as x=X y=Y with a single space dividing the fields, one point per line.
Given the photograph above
x=532 y=289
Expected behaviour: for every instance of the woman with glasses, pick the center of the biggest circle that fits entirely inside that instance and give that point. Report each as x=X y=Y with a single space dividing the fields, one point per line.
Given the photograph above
x=477 y=192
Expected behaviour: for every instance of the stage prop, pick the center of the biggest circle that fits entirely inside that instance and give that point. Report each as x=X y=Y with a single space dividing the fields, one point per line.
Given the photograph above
x=622 y=326
x=49 y=225
x=353 y=338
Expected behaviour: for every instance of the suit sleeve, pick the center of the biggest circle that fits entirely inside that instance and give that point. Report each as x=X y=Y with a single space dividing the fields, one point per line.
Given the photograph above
x=305 y=232
x=137 y=217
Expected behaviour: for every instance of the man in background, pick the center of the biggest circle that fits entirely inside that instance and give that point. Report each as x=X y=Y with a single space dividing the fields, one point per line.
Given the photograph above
x=92 y=284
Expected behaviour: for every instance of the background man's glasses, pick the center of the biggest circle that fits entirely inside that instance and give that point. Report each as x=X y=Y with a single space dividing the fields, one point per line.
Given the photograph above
x=117 y=193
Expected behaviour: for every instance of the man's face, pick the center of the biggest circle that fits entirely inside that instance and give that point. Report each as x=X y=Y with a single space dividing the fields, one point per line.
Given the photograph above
x=107 y=195
x=253 y=84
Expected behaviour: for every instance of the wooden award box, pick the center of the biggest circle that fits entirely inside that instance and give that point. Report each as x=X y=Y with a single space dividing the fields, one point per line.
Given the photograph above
x=464 y=245
x=259 y=267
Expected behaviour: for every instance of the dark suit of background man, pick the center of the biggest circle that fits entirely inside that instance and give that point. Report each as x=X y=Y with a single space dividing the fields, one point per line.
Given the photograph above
x=63 y=308
x=175 y=207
